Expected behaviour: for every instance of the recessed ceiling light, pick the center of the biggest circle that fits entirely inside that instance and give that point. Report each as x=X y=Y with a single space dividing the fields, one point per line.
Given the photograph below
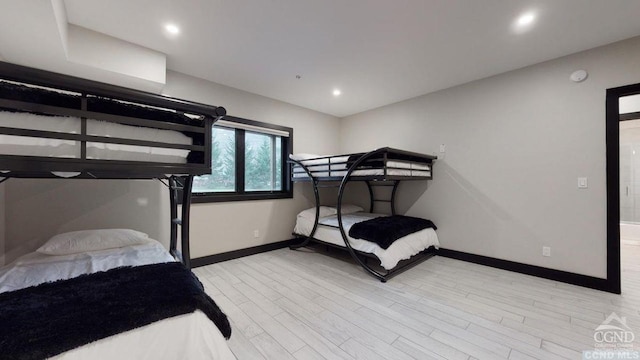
x=524 y=21
x=172 y=29
x=337 y=92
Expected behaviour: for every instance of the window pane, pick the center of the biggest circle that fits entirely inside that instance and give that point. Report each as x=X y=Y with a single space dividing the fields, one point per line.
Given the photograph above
x=223 y=164
x=259 y=164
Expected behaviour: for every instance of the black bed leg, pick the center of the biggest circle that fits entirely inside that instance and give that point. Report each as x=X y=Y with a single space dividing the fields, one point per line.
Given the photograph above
x=183 y=185
x=304 y=243
x=173 y=201
x=186 y=214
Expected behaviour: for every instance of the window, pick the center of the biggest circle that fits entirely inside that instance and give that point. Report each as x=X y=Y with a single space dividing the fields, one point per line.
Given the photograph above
x=248 y=162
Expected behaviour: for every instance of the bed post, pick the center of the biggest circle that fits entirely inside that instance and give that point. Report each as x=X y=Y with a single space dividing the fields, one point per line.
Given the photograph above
x=343 y=185
x=183 y=184
x=173 y=200
x=186 y=211
x=393 y=196
x=371 y=198
x=316 y=194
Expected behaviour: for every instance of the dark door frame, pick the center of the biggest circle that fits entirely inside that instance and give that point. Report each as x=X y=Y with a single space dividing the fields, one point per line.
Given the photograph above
x=613 y=182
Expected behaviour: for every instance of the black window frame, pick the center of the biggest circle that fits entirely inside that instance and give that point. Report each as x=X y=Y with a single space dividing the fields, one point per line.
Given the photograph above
x=240 y=194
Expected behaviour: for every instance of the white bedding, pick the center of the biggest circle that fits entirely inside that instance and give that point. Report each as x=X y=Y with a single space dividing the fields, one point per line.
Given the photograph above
x=30 y=146
x=189 y=336
x=401 y=249
x=336 y=166
x=36 y=268
x=368 y=172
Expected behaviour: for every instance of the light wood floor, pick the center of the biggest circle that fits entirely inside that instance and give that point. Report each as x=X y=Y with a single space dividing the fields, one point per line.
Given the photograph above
x=303 y=305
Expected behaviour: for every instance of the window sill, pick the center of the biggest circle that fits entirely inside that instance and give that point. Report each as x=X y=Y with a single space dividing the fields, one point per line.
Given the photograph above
x=211 y=198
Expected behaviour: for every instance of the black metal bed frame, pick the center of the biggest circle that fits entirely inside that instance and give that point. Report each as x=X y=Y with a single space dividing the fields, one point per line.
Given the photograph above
x=179 y=176
x=364 y=160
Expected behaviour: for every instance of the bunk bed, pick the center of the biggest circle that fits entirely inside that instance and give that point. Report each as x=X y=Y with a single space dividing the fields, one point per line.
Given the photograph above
x=59 y=126
x=397 y=242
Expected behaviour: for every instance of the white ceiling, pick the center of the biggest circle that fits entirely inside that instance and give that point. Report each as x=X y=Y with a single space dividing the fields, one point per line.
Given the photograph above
x=376 y=51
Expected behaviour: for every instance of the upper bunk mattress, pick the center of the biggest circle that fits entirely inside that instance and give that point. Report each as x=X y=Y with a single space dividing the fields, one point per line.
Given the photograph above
x=337 y=166
x=54 y=123
x=33 y=146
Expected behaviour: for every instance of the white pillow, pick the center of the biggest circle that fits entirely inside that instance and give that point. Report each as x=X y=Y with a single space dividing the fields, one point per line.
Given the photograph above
x=311 y=213
x=92 y=240
x=303 y=156
x=349 y=209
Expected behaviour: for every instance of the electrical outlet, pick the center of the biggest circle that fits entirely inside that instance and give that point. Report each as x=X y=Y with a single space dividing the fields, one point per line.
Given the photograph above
x=546 y=251
x=256 y=234
x=582 y=183
x=441 y=152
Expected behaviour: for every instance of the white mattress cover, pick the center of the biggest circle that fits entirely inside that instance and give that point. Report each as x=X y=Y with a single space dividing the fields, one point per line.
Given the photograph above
x=368 y=172
x=189 y=336
x=401 y=249
x=341 y=160
x=308 y=159
x=31 y=146
x=323 y=164
x=321 y=167
x=36 y=268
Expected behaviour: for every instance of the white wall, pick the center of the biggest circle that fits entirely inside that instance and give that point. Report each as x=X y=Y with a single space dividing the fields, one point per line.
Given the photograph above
x=44 y=40
x=38 y=209
x=94 y=49
x=516 y=144
x=222 y=227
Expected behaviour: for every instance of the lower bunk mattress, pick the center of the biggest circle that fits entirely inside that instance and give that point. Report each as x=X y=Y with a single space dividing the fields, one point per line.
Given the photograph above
x=188 y=336
x=401 y=249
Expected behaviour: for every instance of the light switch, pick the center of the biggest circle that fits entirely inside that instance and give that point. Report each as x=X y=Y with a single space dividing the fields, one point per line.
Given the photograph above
x=582 y=183
x=442 y=148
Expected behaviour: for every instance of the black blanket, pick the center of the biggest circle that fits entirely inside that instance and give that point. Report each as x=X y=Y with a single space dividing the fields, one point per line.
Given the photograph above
x=387 y=229
x=48 y=319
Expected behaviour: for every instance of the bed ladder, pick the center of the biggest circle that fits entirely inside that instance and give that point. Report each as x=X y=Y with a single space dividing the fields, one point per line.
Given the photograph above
x=177 y=185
